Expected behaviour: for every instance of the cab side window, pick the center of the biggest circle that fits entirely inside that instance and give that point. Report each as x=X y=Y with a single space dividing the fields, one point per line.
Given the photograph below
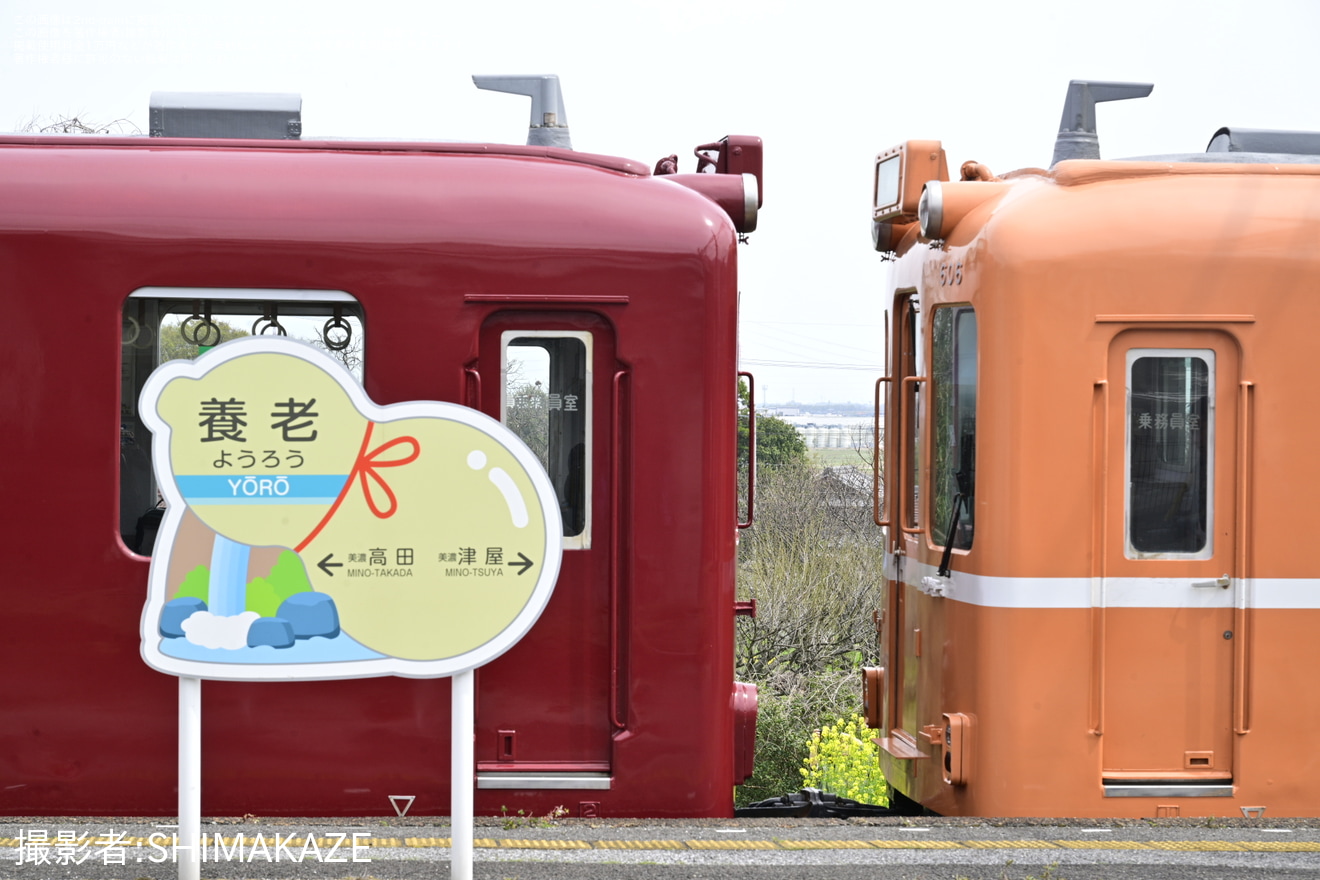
x=953 y=464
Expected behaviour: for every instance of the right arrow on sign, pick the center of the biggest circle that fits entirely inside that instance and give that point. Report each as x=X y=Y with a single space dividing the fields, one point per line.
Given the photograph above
x=523 y=564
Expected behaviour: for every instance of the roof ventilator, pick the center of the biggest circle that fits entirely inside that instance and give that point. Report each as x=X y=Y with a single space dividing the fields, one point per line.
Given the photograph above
x=1077 y=138
x=549 y=122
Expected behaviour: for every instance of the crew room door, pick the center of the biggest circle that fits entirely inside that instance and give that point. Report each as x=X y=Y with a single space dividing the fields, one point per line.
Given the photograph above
x=1170 y=574
x=547 y=710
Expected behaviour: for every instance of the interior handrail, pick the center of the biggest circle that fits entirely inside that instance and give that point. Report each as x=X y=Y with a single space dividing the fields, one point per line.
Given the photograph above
x=913 y=381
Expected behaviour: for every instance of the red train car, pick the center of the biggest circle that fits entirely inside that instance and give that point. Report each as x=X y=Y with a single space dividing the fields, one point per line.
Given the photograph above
x=1101 y=600
x=586 y=301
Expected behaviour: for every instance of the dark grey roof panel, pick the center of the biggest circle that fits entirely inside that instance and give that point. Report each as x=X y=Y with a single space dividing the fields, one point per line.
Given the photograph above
x=1262 y=140
x=1233 y=158
x=273 y=116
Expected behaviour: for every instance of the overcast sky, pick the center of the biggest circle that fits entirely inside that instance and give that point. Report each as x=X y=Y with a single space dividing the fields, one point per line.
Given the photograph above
x=826 y=84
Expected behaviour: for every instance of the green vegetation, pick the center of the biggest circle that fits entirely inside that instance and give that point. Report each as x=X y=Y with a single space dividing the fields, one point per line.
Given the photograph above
x=196 y=585
x=264 y=595
x=842 y=758
x=286 y=577
x=174 y=347
x=777 y=442
x=523 y=819
x=812 y=560
x=858 y=458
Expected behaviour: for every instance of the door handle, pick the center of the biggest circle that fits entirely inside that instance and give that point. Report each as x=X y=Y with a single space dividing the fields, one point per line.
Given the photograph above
x=1223 y=582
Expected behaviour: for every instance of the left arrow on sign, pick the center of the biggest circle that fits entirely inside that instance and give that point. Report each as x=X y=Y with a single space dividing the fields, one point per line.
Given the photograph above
x=325 y=564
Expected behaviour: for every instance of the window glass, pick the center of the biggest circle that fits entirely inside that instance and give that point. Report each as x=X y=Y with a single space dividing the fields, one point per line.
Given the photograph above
x=547 y=403
x=909 y=459
x=953 y=464
x=162 y=324
x=1169 y=452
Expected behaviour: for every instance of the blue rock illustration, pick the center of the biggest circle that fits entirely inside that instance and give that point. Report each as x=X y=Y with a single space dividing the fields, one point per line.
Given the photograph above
x=275 y=632
x=175 y=612
x=312 y=614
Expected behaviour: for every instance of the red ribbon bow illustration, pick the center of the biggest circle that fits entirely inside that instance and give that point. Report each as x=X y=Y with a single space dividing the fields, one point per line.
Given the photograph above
x=365 y=471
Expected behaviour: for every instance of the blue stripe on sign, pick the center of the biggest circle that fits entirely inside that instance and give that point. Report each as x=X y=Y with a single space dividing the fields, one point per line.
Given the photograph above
x=202 y=501
x=282 y=489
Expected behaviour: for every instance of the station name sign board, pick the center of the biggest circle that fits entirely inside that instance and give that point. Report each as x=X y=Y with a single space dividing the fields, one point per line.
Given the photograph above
x=310 y=533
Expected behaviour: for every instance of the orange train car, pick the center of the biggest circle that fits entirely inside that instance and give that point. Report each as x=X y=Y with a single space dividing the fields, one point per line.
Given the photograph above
x=1102 y=595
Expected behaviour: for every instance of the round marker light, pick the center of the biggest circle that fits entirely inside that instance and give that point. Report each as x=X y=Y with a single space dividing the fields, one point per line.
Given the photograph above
x=882 y=236
x=930 y=210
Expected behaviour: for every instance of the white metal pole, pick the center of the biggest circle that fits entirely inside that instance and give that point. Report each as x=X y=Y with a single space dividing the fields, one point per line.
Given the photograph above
x=190 y=778
x=460 y=774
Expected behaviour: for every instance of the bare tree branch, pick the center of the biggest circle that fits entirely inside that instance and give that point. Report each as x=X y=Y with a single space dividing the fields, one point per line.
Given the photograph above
x=77 y=125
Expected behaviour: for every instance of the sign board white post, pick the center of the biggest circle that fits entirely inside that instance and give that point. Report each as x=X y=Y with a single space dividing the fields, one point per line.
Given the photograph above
x=330 y=537
x=462 y=761
x=190 y=778
x=462 y=764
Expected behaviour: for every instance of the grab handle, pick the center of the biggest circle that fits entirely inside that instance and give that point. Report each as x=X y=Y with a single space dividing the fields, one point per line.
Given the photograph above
x=618 y=624
x=472 y=387
x=876 y=461
x=751 y=447
x=1241 y=622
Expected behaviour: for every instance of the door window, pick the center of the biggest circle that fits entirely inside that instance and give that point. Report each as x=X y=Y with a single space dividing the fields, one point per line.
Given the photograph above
x=1170 y=453
x=546 y=401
